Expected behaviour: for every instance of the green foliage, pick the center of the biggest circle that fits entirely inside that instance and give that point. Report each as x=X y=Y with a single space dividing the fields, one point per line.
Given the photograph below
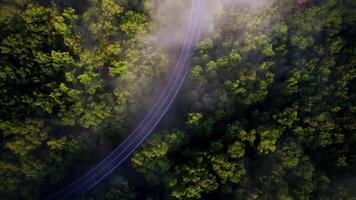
x=236 y=150
x=190 y=182
x=268 y=110
x=194 y=118
x=66 y=72
x=134 y=23
x=152 y=160
x=268 y=139
x=271 y=106
x=227 y=170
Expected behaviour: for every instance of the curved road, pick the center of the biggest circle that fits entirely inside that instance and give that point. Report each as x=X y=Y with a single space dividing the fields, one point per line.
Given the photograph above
x=153 y=117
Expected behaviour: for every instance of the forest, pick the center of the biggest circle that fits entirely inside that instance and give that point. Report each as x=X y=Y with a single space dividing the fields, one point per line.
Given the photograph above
x=267 y=112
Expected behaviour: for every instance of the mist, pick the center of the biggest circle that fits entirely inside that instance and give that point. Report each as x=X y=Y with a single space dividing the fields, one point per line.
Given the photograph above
x=170 y=19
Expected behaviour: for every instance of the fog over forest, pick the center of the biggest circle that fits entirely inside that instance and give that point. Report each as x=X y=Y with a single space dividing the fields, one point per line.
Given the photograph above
x=267 y=110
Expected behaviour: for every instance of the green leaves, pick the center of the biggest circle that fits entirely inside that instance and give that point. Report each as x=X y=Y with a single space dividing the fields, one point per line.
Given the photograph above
x=95 y=115
x=270 y=97
x=236 y=150
x=302 y=42
x=66 y=75
x=227 y=170
x=118 y=68
x=191 y=182
x=25 y=137
x=194 y=118
x=283 y=78
x=134 y=23
x=269 y=137
x=249 y=88
x=152 y=160
x=110 y=9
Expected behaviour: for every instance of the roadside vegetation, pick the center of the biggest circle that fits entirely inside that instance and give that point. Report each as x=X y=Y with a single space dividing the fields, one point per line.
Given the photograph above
x=268 y=110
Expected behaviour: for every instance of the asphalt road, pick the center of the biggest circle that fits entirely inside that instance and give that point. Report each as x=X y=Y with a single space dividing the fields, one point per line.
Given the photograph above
x=153 y=117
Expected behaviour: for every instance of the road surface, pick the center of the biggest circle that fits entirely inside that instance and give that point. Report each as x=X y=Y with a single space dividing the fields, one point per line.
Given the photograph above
x=153 y=117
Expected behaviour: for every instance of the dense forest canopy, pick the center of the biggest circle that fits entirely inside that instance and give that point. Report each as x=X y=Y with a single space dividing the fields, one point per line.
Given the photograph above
x=268 y=110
